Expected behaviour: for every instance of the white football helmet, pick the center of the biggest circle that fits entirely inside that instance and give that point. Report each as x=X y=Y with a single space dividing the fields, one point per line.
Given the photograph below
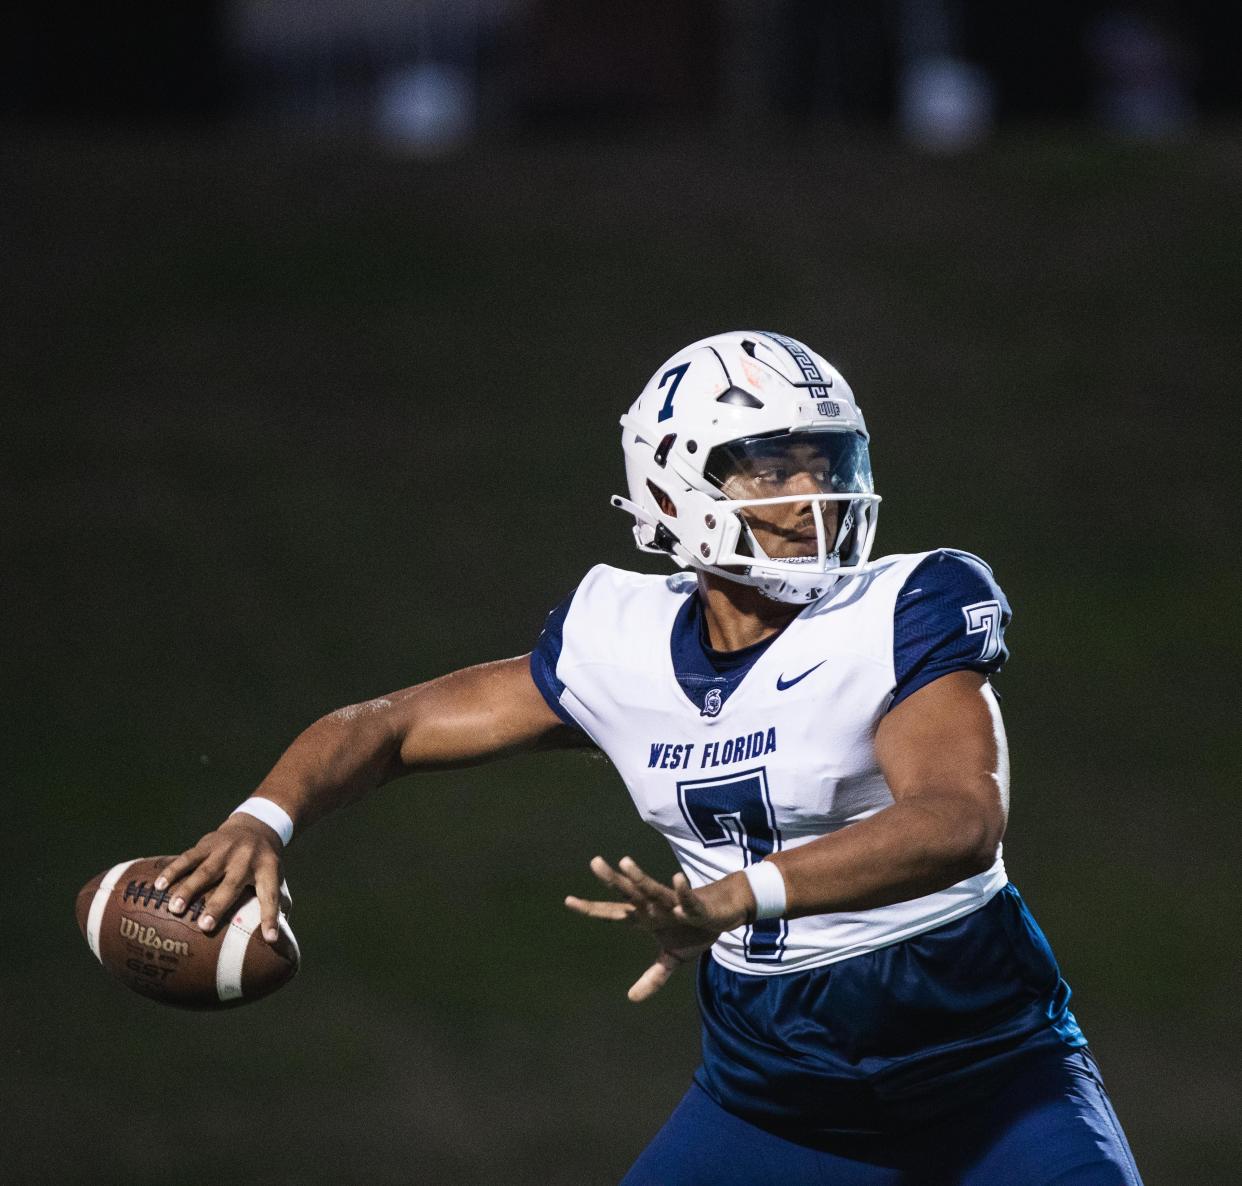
x=709 y=425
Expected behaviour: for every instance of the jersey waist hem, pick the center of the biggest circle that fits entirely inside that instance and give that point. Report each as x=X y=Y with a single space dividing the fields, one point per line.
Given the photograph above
x=834 y=955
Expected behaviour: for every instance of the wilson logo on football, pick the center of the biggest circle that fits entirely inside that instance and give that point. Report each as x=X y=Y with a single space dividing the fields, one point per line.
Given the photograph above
x=150 y=937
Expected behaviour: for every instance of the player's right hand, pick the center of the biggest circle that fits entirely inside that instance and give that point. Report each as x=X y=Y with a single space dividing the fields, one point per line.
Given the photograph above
x=241 y=852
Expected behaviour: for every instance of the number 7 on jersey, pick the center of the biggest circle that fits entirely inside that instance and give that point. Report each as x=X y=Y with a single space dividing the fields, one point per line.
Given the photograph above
x=737 y=809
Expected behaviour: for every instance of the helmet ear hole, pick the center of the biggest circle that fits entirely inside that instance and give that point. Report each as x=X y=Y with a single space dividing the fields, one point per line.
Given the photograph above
x=662 y=500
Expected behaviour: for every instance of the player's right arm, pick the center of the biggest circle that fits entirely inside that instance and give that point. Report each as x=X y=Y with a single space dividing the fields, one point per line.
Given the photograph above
x=462 y=719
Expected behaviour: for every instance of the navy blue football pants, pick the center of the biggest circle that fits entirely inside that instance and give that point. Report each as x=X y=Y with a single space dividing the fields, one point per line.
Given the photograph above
x=1048 y=1123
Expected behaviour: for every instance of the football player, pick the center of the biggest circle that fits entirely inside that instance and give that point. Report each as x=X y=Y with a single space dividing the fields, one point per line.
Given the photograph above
x=815 y=734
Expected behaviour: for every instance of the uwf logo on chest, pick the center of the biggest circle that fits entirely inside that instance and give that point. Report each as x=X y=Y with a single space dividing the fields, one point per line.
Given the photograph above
x=670 y=755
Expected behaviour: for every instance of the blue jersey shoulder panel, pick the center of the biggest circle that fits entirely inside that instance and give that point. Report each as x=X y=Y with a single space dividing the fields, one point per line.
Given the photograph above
x=546 y=655
x=949 y=616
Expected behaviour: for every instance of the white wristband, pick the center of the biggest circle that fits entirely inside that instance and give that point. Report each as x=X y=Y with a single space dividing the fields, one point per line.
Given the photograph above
x=272 y=814
x=768 y=886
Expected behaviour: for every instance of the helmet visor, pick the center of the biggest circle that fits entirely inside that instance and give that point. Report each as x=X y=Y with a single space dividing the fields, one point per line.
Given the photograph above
x=801 y=498
x=786 y=464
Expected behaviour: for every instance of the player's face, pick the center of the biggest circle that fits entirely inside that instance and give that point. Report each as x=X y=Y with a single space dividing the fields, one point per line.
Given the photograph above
x=786 y=529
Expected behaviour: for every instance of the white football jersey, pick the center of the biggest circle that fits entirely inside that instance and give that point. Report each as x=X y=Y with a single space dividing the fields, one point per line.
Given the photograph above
x=734 y=756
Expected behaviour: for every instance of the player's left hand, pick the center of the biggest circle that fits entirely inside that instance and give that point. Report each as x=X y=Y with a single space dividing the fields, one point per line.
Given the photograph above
x=684 y=922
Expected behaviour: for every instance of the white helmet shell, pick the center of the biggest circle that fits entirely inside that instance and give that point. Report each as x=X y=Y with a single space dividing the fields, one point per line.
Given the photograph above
x=730 y=388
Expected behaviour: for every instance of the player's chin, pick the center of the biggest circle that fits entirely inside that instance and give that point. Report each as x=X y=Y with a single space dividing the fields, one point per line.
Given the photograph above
x=796 y=549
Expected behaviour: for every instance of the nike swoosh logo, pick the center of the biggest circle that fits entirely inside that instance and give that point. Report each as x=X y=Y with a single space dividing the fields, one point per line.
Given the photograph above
x=782 y=683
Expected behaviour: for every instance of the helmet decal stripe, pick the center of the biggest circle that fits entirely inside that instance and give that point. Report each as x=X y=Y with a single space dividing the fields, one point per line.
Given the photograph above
x=806 y=364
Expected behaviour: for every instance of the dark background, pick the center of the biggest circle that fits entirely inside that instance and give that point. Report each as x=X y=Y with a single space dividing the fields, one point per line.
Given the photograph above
x=293 y=418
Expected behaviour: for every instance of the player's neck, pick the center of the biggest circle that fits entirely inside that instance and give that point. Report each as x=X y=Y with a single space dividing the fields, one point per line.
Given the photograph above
x=739 y=615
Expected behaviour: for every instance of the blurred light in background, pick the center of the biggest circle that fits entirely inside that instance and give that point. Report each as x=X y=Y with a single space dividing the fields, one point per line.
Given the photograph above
x=428 y=108
x=1143 y=72
x=946 y=104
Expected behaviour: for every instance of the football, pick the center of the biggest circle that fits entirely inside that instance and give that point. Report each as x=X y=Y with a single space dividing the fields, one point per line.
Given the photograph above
x=164 y=956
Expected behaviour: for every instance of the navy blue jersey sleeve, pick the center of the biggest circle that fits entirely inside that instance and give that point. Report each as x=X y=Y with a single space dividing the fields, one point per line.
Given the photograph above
x=949 y=616
x=546 y=655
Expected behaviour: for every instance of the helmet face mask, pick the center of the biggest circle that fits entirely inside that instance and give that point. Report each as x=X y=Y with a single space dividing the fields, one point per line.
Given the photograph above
x=747 y=456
